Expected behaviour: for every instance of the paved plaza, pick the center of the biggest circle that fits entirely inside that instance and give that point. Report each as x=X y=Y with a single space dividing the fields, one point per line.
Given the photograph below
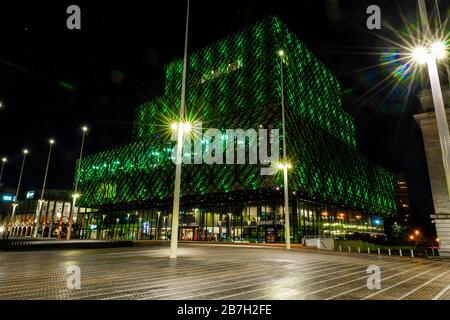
x=204 y=271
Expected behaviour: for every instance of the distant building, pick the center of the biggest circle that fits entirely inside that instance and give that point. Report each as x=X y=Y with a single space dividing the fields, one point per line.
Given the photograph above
x=402 y=199
x=55 y=210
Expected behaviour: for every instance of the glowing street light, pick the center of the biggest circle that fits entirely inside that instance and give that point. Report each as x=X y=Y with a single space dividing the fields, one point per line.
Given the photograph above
x=430 y=56
x=41 y=200
x=435 y=51
x=284 y=165
x=76 y=195
x=177 y=186
x=439 y=50
x=420 y=55
x=4 y=160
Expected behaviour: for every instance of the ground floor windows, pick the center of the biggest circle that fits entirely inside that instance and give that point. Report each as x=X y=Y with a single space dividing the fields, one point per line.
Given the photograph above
x=246 y=223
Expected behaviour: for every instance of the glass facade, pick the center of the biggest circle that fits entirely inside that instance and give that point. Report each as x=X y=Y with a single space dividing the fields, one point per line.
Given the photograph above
x=262 y=223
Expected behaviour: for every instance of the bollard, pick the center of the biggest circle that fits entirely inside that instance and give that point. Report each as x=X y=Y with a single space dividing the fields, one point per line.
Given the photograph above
x=389 y=250
x=400 y=252
x=349 y=249
x=412 y=253
x=359 y=250
x=368 y=250
x=340 y=248
x=378 y=250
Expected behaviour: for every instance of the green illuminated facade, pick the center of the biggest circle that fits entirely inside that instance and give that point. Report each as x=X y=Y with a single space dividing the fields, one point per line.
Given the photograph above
x=235 y=83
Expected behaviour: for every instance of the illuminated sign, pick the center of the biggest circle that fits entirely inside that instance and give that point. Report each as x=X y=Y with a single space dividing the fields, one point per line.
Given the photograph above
x=146 y=227
x=30 y=195
x=8 y=198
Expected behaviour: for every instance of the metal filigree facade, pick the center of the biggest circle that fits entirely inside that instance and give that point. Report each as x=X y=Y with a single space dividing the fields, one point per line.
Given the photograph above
x=235 y=83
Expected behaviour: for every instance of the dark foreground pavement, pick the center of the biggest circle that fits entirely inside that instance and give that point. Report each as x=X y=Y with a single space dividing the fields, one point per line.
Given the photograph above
x=218 y=272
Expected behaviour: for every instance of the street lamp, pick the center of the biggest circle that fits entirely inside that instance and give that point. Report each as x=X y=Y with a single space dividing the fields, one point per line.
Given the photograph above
x=157 y=226
x=84 y=129
x=4 y=160
x=287 y=232
x=25 y=152
x=41 y=200
x=220 y=229
x=176 y=192
x=76 y=195
x=430 y=55
x=284 y=165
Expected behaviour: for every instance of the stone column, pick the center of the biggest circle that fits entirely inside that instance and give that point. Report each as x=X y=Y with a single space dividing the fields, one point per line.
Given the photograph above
x=427 y=122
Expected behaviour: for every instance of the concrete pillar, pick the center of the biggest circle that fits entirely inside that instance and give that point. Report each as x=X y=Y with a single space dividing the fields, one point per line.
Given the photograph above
x=427 y=122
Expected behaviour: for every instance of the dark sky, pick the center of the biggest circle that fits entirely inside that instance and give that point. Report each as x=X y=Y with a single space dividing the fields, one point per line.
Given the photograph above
x=53 y=80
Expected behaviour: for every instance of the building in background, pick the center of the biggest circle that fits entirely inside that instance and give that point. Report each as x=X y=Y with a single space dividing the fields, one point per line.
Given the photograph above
x=55 y=211
x=426 y=119
x=402 y=199
x=235 y=83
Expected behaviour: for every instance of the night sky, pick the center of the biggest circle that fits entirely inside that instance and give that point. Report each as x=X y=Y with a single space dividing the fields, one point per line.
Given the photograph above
x=53 y=80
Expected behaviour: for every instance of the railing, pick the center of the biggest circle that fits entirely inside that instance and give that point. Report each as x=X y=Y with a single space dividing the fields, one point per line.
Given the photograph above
x=27 y=244
x=402 y=252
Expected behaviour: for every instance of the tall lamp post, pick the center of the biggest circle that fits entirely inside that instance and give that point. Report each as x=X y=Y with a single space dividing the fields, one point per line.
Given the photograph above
x=76 y=195
x=41 y=200
x=429 y=55
x=181 y=129
x=4 y=160
x=284 y=165
x=25 y=152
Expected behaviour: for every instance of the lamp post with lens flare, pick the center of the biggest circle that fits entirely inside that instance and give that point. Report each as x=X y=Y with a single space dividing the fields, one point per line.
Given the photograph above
x=4 y=160
x=25 y=152
x=181 y=129
x=75 y=194
x=430 y=55
x=41 y=200
x=287 y=232
x=284 y=165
